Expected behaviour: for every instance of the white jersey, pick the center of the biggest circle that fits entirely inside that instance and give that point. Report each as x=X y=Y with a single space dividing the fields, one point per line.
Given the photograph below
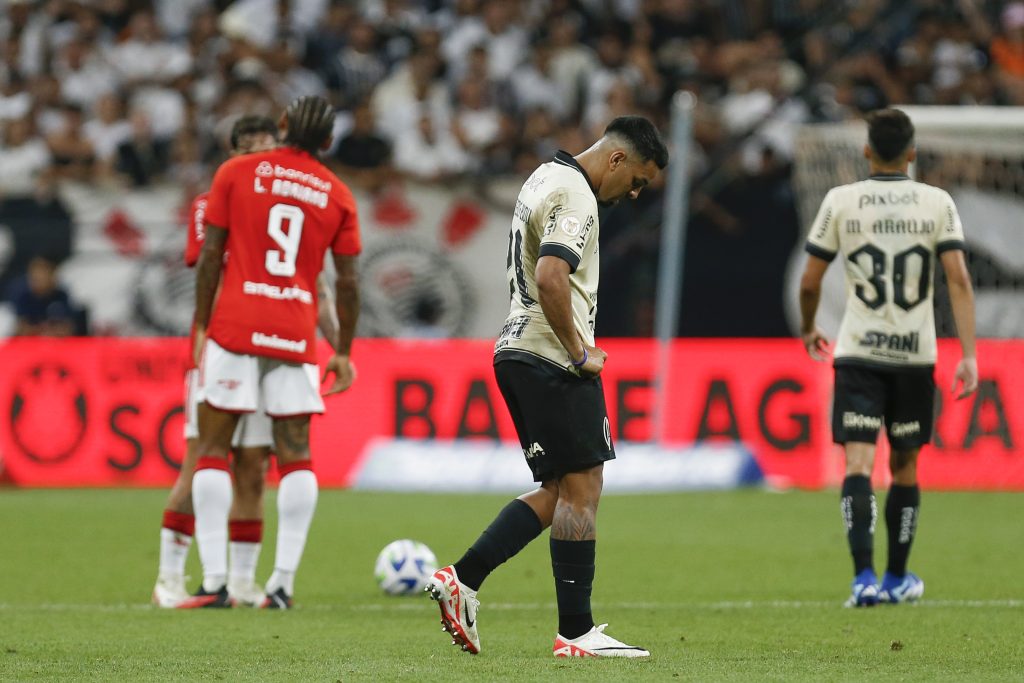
x=890 y=231
x=556 y=215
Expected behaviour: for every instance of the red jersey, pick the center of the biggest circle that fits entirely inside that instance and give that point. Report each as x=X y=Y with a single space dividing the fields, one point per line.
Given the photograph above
x=193 y=245
x=196 y=229
x=283 y=210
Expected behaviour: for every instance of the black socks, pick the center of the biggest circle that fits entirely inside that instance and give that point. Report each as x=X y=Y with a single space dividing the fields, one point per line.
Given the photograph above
x=514 y=527
x=859 y=514
x=901 y=510
x=572 y=563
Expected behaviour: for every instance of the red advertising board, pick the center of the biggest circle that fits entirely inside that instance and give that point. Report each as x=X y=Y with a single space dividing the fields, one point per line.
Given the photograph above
x=107 y=412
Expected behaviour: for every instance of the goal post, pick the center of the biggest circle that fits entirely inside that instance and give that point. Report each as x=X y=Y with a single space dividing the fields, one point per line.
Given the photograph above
x=974 y=153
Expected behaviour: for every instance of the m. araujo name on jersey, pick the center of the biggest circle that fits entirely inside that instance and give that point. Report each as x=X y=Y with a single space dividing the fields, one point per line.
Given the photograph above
x=890 y=231
x=555 y=215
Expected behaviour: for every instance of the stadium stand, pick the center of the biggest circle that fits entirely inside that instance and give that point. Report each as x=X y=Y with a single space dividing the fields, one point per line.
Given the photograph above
x=130 y=94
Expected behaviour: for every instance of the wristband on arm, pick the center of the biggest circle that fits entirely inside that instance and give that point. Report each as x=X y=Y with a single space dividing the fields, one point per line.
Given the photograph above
x=581 y=363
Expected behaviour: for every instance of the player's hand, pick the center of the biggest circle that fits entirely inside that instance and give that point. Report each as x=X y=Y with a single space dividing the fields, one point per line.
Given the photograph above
x=198 y=343
x=816 y=344
x=344 y=374
x=966 y=377
x=595 y=362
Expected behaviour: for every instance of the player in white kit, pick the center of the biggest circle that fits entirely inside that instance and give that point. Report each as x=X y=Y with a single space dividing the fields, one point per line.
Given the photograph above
x=890 y=232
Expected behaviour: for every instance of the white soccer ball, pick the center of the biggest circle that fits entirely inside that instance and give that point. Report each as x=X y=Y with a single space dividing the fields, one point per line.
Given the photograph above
x=404 y=566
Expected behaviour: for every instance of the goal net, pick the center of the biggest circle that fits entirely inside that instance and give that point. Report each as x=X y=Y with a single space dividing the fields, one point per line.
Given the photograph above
x=974 y=153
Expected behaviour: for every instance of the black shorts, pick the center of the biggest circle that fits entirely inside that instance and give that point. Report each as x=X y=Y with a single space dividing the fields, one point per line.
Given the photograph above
x=865 y=398
x=560 y=418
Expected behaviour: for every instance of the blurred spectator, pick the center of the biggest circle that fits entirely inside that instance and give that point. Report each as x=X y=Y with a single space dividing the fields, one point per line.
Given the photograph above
x=142 y=157
x=84 y=76
x=42 y=306
x=496 y=29
x=427 y=152
x=286 y=77
x=71 y=150
x=15 y=100
x=25 y=158
x=411 y=92
x=362 y=155
x=108 y=129
x=477 y=123
x=144 y=57
x=356 y=69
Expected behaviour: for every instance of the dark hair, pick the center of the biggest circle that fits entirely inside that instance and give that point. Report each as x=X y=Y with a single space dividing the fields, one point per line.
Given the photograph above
x=890 y=133
x=251 y=125
x=642 y=136
x=310 y=122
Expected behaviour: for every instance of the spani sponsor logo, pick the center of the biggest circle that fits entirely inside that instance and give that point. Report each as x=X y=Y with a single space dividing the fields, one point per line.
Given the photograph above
x=893 y=342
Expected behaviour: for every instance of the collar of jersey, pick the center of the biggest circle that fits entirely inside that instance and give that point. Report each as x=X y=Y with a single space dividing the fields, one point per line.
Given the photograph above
x=889 y=176
x=566 y=159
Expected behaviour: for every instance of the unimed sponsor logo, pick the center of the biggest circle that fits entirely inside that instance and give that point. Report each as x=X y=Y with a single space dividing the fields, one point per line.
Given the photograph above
x=272 y=341
x=853 y=420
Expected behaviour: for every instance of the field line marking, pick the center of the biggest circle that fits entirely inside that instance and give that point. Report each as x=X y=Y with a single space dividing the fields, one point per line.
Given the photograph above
x=534 y=606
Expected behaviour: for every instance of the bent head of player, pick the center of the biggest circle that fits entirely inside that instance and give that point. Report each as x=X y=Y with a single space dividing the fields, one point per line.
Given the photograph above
x=627 y=157
x=890 y=147
x=307 y=124
x=253 y=133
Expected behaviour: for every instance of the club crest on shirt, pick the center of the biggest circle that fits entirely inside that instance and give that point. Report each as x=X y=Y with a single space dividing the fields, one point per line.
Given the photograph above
x=570 y=225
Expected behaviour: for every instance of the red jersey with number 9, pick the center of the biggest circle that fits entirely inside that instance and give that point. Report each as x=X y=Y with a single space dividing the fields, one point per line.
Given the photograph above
x=283 y=210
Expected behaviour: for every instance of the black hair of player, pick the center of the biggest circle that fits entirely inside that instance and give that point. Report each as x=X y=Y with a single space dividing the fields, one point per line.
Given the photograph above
x=643 y=136
x=890 y=133
x=251 y=124
x=310 y=122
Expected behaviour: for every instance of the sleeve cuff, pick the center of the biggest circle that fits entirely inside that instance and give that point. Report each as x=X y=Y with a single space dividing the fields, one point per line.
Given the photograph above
x=950 y=245
x=815 y=250
x=563 y=252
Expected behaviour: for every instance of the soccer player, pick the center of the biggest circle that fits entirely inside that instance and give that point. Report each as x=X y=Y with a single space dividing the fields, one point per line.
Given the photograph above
x=251 y=443
x=277 y=213
x=891 y=231
x=548 y=370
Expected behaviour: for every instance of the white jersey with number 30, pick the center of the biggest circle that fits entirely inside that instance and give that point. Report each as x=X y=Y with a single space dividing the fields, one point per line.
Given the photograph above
x=890 y=231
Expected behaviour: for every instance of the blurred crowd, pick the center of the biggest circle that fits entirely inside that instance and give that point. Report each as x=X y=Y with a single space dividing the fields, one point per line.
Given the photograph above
x=131 y=92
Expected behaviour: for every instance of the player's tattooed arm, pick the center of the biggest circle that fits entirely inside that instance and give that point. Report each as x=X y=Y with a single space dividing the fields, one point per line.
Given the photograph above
x=327 y=314
x=208 y=270
x=347 y=292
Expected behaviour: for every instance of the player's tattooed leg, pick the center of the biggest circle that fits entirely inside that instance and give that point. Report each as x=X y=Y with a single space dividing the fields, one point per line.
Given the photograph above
x=291 y=438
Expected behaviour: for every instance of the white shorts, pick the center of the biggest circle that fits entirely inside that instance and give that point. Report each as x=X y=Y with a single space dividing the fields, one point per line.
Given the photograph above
x=254 y=430
x=242 y=383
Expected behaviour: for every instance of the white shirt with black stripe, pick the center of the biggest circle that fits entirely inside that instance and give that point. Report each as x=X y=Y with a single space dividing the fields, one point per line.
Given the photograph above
x=890 y=231
x=555 y=215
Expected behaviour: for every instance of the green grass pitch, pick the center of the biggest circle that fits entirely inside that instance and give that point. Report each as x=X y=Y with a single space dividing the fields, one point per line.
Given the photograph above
x=740 y=586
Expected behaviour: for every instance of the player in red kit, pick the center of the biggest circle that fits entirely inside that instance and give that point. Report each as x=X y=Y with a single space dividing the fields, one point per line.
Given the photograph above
x=277 y=213
x=251 y=443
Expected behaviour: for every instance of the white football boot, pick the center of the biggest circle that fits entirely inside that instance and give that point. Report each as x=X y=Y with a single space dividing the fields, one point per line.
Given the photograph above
x=246 y=592
x=170 y=591
x=595 y=643
x=458 y=605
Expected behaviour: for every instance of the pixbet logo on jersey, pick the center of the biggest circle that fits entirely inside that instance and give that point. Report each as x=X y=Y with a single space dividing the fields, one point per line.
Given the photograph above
x=888 y=199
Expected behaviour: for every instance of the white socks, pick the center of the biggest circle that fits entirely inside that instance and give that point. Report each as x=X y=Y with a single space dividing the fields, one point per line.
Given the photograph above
x=211 y=499
x=244 y=557
x=173 y=553
x=296 y=502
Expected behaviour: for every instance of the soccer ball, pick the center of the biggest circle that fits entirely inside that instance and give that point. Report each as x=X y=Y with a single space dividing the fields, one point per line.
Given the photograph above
x=404 y=566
